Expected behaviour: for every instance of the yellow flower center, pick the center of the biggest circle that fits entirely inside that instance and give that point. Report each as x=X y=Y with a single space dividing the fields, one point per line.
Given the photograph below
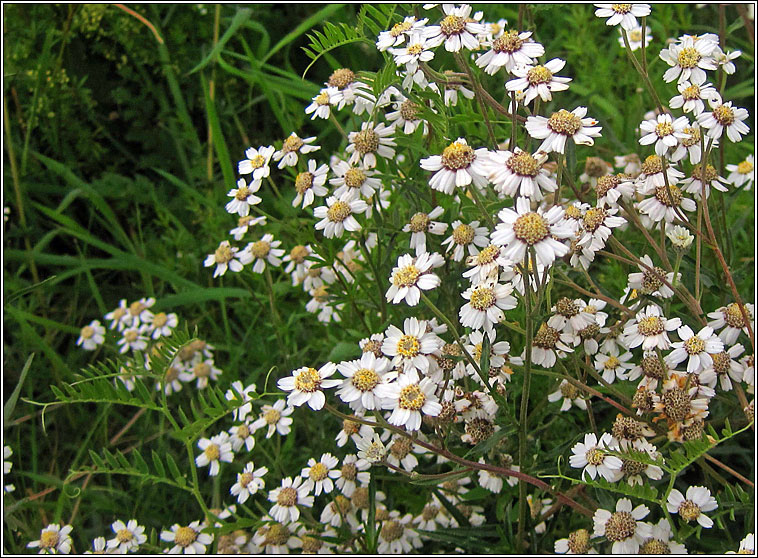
x=688 y=57
x=507 y=42
x=411 y=397
x=299 y=253
x=457 y=156
x=546 y=337
x=663 y=129
x=322 y=98
x=392 y=530
x=406 y=277
x=635 y=36
x=338 y=212
x=689 y=510
x=531 y=228
x=87 y=332
x=651 y=282
x=245 y=479
x=308 y=380
x=131 y=335
x=593 y=218
x=463 y=234
x=258 y=161
x=408 y=346
x=399 y=28
x=365 y=379
x=415 y=49
x=649 y=326
x=539 y=74
x=523 y=164
x=693 y=136
x=292 y=143
x=420 y=222
x=745 y=167
x=318 y=472
x=652 y=165
x=212 y=452
x=569 y=391
x=49 y=539
x=303 y=181
x=691 y=93
x=452 y=25
x=564 y=122
x=594 y=456
x=136 y=308
x=321 y=294
x=655 y=546
x=487 y=255
x=341 y=78
x=185 y=536
x=124 y=535
x=272 y=416
x=710 y=173
x=348 y=471
x=670 y=197
x=620 y=527
x=366 y=141
x=694 y=345
x=482 y=298
x=277 y=534
x=578 y=541
x=354 y=178
x=573 y=212
x=733 y=316
x=202 y=370
x=612 y=363
x=260 y=249
x=287 y=497
x=223 y=254
x=409 y=110
x=724 y=115
x=621 y=8
x=160 y=319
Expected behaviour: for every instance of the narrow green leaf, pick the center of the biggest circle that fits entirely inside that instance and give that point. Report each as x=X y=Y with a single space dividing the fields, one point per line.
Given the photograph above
x=242 y=15
x=219 y=143
x=10 y=405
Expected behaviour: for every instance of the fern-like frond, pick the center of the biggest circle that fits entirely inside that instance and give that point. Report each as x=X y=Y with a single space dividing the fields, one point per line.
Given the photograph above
x=332 y=36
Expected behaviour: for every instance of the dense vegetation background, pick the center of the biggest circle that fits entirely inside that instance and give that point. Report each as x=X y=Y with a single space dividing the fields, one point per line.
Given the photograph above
x=119 y=152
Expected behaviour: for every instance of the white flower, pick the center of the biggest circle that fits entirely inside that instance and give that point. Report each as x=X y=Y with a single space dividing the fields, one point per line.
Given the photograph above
x=649 y=328
x=321 y=107
x=318 y=475
x=434 y=515
x=244 y=223
x=486 y=302
x=350 y=92
x=732 y=321
x=660 y=540
x=337 y=215
x=561 y=126
x=306 y=385
x=539 y=80
x=417 y=50
x=624 y=14
x=370 y=447
x=226 y=257
x=592 y=457
x=362 y=377
x=487 y=264
x=275 y=538
x=353 y=471
x=408 y=398
x=287 y=498
x=724 y=116
x=241 y=435
x=466 y=237
x=459 y=165
x=249 y=482
x=134 y=339
x=613 y=365
x=248 y=394
x=287 y=155
x=570 y=395
x=652 y=175
x=162 y=325
x=636 y=41
x=396 y=535
x=743 y=173
x=265 y=250
x=217 y=449
x=350 y=178
x=524 y=229
x=694 y=184
x=309 y=184
x=510 y=50
x=120 y=317
x=680 y=237
x=691 y=96
x=747 y=545
x=371 y=141
x=412 y=346
x=688 y=59
x=98 y=546
x=397 y=34
x=623 y=528
x=53 y=539
x=662 y=205
x=697 y=348
x=128 y=537
x=578 y=542
x=203 y=371
x=276 y=418
x=256 y=163
x=691 y=507
x=664 y=131
x=649 y=280
x=519 y=173
x=597 y=223
x=550 y=343
x=457 y=30
x=422 y=223
x=405 y=116
x=189 y=539
x=91 y=336
x=243 y=197
x=411 y=275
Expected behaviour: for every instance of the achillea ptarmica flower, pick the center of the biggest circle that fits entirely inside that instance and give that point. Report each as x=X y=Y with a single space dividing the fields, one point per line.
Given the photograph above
x=623 y=528
x=622 y=14
x=466 y=238
x=218 y=448
x=371 y=448
x=287 y=498
x=650 y=282
x=519 y=173
x=523 y=229
x=680 y=237
x=724 y=116
x=457 y=30
x=337 y=215
x=226 y=257
x=422 y=223
x=318 y=475
x=664 y=131
x=663 y=204
x=691 y=507
x=321 y=107
x=742 y=173
x=362 y=378
x=244 y=224
x=309 y=184
x=412 y=346
x=649 y=328
x=570 y=395
x=396 y=35
x=660 y=541
x=249 y=482
x=243 y=197
x=697 y=348
x=371 y=141
x=396 y=535
x=350 y=178
x=597 y=223
x=592 y=457
x=510 y=50
x=306 y=385
x=652 y=175
x=486 y=302
x=691 y=96
x=406 y=116
x=561 y=126
x=408 y=398
x=265 y=250
x=611 y=187
x=636 y=40
x=128 y=537
x=731 y=319
x=189 y=539
x=578 y=542
x=538 y=81
x=276 y=418
x=53 y=539
x=612 y=365
x=411 y=275
x=459 y=165
x=688 y=59
x=487 y=264
x=747 y=545
x=287 y=155
x=91 y=336
x=256 y=162
x=683 y=409
x=548 y=344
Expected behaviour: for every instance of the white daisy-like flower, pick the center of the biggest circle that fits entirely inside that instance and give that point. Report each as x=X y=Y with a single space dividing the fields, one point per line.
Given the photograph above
x=636 y=40
x=570 y=395
x=578 y=542
x=664 y=131
x=256 y=163
x=451 y=90
x=457 y=29
x=226 y=257
x=510 y=50
x=613 y=365
x=622 y=14
x=662 y=205
x=724 y=116
x=422 y=223
x=650 y=282
x=217 y=448
x=486 y=302
x=417 y=50
x=409 y=397
x=731 y=319
x=370 y=447
x=397 y=536
x=350 y=91
x=288 y=154
x=742 y=173
x=623 y=528
x=98 y=546
x=591 y=456
x=597 y=223
x=128 y=537
x=538 y=81
x=139 y=312
x=364 y=146
x=242 y=435
x=249 y=482
x=412 y=275
x=548 y=344
x=203 y=371
x=353 y=472
x=412 y=346
x=265 y=250
x=91 y=336
x=244 y=224
x=53 y=539
x=275 y=538
x=652 y=175
x=350 y=178
x=337 y=215
x=689 y=59
x=524 y=229
x=248 y=394
x=690 y=146
x=396 y=35
x=321 y=105
x=133 y=338
x=306 y=385
x=747 y=545
x=405 y=117
x=338 y=512
x=694 y=184
x=120 y=317
x=318 y=475
x=162 y=325
x=488 y=264
x=519 y=173
x=189 y=539
x=691 y=97
x=696 y=348
x=243 y=197
x=561 y=126
x=275 y=418
x=680 y=237
x=434 y=515
x=649 y=328
x=466 y=238
x=287 y=498
x=309 y=184
x=692 y=506
x=458 y=166
x=660 y=541
x=362 y=378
